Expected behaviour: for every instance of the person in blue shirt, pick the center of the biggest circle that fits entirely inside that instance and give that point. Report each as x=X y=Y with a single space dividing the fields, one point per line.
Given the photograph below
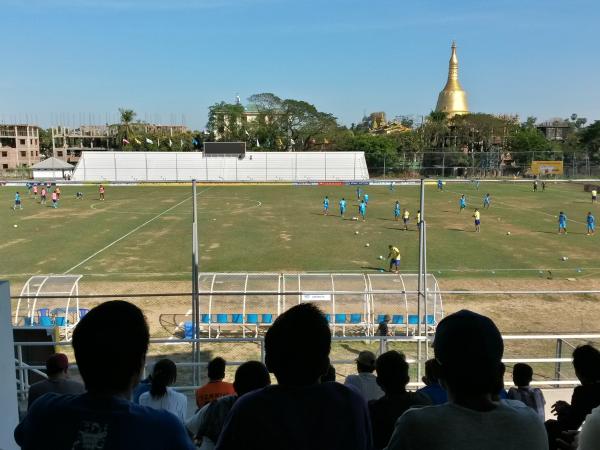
x=358 y=193
x=17 y=202
x=591 y=223
x=440 y=185
x=342 y=207
x=462 y=203
x=433 y=389
x=104 y=417
x=362 y=210
x=366 y=197
x=397 y=211
x=392 y=186
x=487 y=200
x=326 y=205
x=562 y=223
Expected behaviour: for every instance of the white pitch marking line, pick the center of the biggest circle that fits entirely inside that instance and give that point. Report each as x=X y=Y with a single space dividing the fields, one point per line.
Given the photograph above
x=131 y=232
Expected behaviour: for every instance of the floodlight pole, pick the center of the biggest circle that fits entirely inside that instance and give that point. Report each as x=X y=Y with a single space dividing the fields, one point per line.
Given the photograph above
x=195 y=288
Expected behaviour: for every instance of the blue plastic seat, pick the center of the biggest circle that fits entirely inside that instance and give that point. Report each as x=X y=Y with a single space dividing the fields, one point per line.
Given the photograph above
x=380 y=318
x=188 y=330
x=205 y=318
x=413 y=319
x=328 y=318
x=59 y=321
x=267 y=318
x=45 y=321
x=27 y=321
x=83 y=312
x=355 y=318
x=398 y=319
x=429 y=319
x=252 y=319
x=222 y=318
x=43 y=312
x=340 y=318
x=237 y=318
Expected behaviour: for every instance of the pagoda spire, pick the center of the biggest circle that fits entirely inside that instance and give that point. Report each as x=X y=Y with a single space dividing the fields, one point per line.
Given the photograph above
x=453 y=98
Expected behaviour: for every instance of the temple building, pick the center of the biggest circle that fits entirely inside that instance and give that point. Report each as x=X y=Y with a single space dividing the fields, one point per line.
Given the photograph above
x=453 y=99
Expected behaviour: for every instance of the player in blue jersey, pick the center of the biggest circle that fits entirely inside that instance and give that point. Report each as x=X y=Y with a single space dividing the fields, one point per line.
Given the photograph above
x=326 y=206
x=440 y=185
x=462 y=203
x=17 y=202
x=342 y=207
x=366 y=198
x=562 y=223
x=362 y=210
x=392 y=186
x=591 y=223
x=397 y=211
x=358 y=193
x=487 y=200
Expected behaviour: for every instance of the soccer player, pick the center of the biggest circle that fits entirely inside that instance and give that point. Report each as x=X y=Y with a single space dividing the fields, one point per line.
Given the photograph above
x=17 y=202
x=366 y=198
x=462 y=203
x=562 y=223
x=394 y=256
x=405 y=219
x=543 y=186
x=325 y=205
x=54 y=199
x=57 y=190
x=535 y=185
x=43 y=194
x=419 y=218
x=358 y=193
x=487 y=200
x=101 y=192
x=35 y=190
x=29 y=187
x=79 y=195
x=477 y=217
x=397 y=211
x=591 y=223
x=440 y=185
x=362 y=210
x=594 y=196
x=342 y=207
x=477 y=182
x=392 y=186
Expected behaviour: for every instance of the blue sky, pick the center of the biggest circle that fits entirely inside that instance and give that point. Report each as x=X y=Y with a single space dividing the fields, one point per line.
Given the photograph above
x=79 y=60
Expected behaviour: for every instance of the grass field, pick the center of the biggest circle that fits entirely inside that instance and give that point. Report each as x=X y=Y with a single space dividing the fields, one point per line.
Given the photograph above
x=145 y=231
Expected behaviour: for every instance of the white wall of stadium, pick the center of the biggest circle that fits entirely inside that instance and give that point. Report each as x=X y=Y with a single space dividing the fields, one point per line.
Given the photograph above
x=252 y=167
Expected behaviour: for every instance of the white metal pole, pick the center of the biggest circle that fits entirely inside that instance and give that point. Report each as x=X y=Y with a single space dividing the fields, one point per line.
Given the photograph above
x=195 y=286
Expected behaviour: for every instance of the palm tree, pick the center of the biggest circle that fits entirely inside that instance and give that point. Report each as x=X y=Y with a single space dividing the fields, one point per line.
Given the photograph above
x=125 y=131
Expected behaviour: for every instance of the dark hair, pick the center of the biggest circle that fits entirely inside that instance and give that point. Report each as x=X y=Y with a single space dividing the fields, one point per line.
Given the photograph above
x=329 y=375
x=250 y=376
x=297 y=345
x=432 y=371
x=586 y=361
x=216 y=368
x=522 y=374
x=163 y=375
x=362 y=368
x=110 y=344
x=392 y=371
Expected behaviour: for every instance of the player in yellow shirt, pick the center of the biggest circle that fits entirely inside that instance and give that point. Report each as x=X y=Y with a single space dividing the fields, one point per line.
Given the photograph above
x=405 y=219
x=419 y=219
x=394 y=256
x=594 y=196
x=477 y=217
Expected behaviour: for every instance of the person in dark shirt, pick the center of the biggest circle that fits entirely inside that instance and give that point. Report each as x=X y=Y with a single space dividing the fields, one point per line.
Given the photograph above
x=383 y=329
x=392 y=377
x=57 y=369
x=586 y=361
x=110 y=344
x=433 y=389
x=300 y=412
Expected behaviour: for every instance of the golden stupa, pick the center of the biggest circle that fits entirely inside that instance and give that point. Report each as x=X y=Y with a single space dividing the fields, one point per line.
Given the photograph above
x=453 y=99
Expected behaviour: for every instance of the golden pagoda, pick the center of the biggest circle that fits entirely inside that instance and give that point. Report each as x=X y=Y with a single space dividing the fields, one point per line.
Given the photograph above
x=453 y=99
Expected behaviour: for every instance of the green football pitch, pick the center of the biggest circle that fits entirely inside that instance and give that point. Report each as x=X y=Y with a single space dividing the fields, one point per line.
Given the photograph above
x=145 y=231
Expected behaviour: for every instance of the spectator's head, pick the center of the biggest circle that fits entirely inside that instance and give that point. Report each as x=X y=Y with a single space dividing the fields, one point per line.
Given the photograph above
x=469 y=348
x=365 y=362
x=216 y=369
x=250 y=376
x=432 y=372
x=586 y=361
x=522 y=374
x=164 y=374
x=329 y=375
x=110 y=344
x=392 y=372
x=57 y=365
x=297 y=346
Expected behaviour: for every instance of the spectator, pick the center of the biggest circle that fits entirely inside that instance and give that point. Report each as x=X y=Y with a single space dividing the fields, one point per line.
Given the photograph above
x=160 y=395
x=590 y=432
x=532 y=397
x=216 y=387
x=433 y=389
x=143 y=386
x=586 y=361
x=207 y=423
x=383 y=328
x=110 y=344
x=299 y=412
x=57 y=369
x=392 y=376
x=329 y=375
x=365 y=381
x=469 y=349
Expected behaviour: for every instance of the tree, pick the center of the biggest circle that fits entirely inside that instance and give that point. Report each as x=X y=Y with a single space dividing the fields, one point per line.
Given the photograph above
x=526 y=143
x=590 y=140
x=380 y=150
x=46 y=142
x=124 y=130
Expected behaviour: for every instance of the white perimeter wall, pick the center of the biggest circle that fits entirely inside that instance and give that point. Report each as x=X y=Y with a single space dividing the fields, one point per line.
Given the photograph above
x=255 y=166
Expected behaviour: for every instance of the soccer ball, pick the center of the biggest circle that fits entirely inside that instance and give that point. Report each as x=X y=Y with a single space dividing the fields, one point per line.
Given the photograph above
x=564 y=258
x=367 y=245
x=508 y=233
x=356 y=232
x=16 y=226
x=355 y=218
x=380 y=257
